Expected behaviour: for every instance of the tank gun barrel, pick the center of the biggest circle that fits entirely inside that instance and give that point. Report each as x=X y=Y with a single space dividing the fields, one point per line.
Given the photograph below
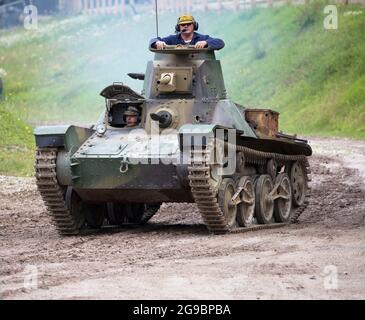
x=164 y=118
x=156 y=117
x=165 y=79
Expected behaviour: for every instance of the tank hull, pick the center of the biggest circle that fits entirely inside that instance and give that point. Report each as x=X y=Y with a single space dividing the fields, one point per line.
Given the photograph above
x=101 y=180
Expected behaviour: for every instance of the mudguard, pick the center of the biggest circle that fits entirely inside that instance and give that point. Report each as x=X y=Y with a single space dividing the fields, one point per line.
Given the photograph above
x=196 y=135
x=69 y=136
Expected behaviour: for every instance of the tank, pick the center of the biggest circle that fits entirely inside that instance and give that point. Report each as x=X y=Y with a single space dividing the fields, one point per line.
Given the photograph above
x=191 y=144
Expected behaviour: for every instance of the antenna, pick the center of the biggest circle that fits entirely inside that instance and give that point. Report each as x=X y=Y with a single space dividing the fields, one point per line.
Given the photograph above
x=156 y=9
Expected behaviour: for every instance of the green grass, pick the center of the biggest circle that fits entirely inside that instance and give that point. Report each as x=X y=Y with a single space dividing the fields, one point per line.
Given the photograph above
x=280 y=58
x=16 y=146
x=289 y=62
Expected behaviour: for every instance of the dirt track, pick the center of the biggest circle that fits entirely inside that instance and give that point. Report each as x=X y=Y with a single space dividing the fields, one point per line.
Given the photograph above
x=175 y=258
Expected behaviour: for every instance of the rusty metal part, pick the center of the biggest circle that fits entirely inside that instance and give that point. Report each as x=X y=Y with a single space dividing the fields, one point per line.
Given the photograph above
x=264 y=121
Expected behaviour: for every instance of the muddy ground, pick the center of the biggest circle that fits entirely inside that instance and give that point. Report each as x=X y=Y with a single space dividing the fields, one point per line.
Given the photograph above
x=175 y=258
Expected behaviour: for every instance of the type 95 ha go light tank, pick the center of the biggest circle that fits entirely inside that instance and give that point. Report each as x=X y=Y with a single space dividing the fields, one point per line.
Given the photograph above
x=192 y=144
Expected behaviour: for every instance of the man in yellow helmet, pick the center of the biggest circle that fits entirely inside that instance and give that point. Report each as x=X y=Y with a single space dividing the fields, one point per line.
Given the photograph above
x=186 y=34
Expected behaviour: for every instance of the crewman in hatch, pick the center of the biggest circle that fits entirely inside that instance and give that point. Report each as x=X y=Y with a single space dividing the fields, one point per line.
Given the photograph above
x=186 y=34
x=131 y=117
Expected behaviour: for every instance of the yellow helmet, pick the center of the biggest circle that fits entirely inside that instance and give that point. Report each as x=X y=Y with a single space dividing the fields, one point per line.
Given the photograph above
x=186 y=18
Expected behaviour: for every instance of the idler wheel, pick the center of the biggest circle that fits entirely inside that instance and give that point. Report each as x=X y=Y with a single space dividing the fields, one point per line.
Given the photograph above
x=116 y=214
x=283 y=202
x=119 y=214
x=95 y=214
x=264 y=203
x=74 y=204
x=298 y=180
x=134 y=212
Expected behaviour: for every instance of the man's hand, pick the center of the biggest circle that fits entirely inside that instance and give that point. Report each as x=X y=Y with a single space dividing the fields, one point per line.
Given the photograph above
x=160 y=45
x=201 y=44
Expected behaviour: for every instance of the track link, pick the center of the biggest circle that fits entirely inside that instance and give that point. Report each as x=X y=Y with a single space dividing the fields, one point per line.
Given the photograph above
x=205 y=195
x=149 y=213
x=51 y=192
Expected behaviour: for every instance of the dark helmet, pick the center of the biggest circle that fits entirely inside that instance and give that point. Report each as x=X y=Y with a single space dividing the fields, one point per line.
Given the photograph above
x=131 y=111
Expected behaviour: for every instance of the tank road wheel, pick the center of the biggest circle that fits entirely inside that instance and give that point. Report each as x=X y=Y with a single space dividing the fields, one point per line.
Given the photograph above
x=264 y=203
x=116 y=213
x=119 y=214
x=299 y=183
x=95 y=214
x=246 y=207
x=283 y=198
x=225 y=194
x=134 y=212
x=74 y=205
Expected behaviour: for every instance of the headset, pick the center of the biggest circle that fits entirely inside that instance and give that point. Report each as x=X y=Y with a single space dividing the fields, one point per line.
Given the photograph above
x=177 y=27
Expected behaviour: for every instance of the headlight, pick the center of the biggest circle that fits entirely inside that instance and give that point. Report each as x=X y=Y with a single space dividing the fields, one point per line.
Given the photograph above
x=101 y=129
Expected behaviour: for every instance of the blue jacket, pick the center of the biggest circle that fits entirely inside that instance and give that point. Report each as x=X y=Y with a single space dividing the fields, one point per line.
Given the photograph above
x=174 y=39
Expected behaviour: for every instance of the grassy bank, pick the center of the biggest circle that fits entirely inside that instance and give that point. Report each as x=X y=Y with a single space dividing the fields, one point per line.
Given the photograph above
x=16 y=146
x=280 y=58
x=286 y=60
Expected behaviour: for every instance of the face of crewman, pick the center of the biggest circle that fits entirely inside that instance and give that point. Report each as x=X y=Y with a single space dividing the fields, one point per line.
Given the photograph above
x=131 y=121
x=187 y=28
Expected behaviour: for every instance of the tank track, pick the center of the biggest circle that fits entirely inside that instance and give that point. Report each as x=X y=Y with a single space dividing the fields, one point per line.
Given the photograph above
x=205 y=195
x=51 y=192
x=149 y=213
